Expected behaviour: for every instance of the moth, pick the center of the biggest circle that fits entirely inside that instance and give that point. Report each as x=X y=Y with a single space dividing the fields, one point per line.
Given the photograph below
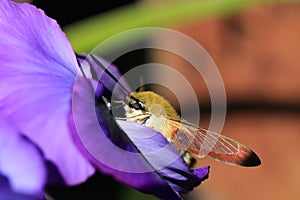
x=152 y=110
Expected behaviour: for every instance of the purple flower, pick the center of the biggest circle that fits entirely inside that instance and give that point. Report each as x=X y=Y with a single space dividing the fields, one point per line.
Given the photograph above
x=47 y=101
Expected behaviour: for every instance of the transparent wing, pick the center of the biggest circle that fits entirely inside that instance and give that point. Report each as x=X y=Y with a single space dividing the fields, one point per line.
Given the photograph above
x=202 y=142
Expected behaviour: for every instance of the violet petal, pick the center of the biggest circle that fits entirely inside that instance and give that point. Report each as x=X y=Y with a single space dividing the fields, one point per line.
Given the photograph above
x=38 y=68
x=7 y=194
x=20 y=162
x=163 y=157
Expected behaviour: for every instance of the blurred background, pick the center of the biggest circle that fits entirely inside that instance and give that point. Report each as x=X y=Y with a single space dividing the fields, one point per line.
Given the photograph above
x=256 y=47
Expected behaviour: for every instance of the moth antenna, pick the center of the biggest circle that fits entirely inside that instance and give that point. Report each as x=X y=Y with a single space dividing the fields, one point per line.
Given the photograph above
x=80 y=67
x=120 y=104
x=108 y=72
x=116 y=80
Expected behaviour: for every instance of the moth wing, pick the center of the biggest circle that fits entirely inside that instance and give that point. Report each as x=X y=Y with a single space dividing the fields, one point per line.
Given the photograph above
x=202 y=142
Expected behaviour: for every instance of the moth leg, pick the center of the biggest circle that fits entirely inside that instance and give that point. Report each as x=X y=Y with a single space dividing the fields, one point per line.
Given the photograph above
x=107 y=103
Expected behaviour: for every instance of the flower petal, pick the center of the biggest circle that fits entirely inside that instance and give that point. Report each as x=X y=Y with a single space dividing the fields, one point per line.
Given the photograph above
x=130 y=168
x=38 y=68
x=164 y=158
x=20 y=162
x=7 y=194
x=30 y=39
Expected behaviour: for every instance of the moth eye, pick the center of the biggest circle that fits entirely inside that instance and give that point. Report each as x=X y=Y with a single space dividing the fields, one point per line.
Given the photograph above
x=136 y=105
x=141 y=105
